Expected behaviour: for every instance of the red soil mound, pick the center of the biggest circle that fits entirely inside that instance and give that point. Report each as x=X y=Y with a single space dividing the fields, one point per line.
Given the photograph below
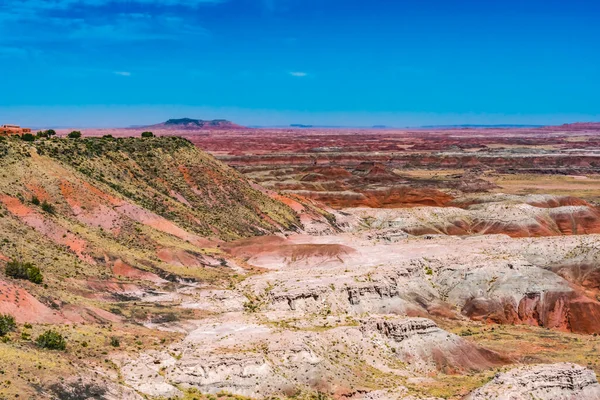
x=247 y=248
x=274 y=247
x=24 y=307
x=122 y=269
x=180 y=257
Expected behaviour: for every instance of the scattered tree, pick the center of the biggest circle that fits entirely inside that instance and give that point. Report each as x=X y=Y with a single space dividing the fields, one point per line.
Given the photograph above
x=51 y=340
x=35 y=201
x=147 y=134
x=24 y=270
x=47 y=207
x=28 y=137
x=74 y=135
x=50 y=132
x=7 y=324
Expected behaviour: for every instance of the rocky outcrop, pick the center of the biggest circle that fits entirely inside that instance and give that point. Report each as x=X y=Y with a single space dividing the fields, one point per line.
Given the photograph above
x=543 y=382
x=423 y=346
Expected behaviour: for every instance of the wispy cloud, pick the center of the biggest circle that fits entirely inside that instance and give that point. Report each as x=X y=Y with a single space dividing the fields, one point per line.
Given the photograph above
x=99 y=20
x=122 y=73
x=66 y=4
x=298 y=74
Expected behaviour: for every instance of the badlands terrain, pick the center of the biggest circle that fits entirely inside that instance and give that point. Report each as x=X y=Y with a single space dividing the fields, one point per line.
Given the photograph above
x=222 y=262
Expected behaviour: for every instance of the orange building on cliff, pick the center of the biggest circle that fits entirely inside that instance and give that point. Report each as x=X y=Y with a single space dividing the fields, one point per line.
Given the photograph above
x=8 y=130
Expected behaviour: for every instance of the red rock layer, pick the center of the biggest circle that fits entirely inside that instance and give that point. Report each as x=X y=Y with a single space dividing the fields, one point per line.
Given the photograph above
x=567 y=311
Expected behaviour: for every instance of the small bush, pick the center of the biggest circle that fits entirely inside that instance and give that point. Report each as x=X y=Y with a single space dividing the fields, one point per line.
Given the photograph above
x=109 y=137
x=47 y=207
x=28 y=137
x=7 y=324
x=115 y=342
x=147 y=134
x=21 y=270
x=35 y=201
x=51 y=340
x=74 y=135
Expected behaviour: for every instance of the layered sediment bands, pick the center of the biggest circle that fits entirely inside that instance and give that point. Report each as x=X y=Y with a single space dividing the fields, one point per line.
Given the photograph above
x=545 y=382
x=584 y=163
x=488 y=218
x=520 y=293
x=567 y=311
x=535 y=200
x=421 y=343
x=379 y=198
x=582 y=274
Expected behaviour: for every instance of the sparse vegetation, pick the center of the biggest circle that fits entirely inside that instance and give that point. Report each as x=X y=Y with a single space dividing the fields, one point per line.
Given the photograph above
x=51 y=340
x=47 y=207
x=24 y=270
x=7 y=324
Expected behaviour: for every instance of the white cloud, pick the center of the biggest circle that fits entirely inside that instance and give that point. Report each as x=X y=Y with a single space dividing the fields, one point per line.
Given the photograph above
x=298 y=74
x=122 y=73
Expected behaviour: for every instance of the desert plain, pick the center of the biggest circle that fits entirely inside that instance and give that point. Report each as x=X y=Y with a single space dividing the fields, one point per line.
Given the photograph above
x=218 y=261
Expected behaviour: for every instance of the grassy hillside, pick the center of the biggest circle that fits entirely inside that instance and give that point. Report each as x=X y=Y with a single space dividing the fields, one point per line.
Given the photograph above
x=106 y=221
x=78 y=206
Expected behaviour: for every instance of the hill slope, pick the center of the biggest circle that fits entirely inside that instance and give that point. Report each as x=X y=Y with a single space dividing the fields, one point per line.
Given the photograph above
x=94 y=209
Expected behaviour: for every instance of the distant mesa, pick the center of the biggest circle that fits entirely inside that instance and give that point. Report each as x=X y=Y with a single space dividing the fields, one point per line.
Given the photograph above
x=196 y=124
x=300 y=126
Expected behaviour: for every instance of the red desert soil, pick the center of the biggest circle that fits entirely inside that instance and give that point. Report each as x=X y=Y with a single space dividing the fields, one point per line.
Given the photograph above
x=26 y=308
x=274 y=246
x=122 y=269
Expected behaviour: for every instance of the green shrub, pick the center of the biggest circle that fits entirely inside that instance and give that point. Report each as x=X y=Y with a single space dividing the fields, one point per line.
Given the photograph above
x=47 y=207
x=21 y=270
x=35 y=201
x=7 y=324
x=74 y=135
x=51 y=340
x=28 y=137
x=147 y=134
x=50 y=132
x=115 y=342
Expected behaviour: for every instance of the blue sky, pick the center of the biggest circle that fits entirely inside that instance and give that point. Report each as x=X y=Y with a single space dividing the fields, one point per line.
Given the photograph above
x=268 y=62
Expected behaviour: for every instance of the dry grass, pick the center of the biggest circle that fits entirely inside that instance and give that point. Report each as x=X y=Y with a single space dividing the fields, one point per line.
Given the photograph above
x=586 y=187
